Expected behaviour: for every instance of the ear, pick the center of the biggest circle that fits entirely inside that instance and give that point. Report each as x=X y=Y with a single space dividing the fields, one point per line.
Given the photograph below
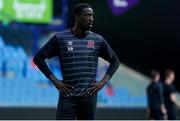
x=76 y=17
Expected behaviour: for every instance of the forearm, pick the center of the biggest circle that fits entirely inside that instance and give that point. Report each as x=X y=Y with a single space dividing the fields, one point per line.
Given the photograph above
x=162 y=106
x=105 y=79
x=53 y=78
x=176 y=102
x=39 y=60
x=162 y=99
x=163 y=109
x=114 y=64
x=174 y=99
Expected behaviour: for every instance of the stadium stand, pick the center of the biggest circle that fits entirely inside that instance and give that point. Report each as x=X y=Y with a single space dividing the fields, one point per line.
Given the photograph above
x=23 y=85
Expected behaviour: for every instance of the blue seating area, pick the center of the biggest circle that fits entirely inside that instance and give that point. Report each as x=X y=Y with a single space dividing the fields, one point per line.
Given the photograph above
x=23 y=85
x=120 y=98
x=33 y=93
x=13 y=60
x=28 y=93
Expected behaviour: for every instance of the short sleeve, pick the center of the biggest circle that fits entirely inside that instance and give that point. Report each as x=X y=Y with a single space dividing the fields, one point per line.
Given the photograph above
x=172 y=89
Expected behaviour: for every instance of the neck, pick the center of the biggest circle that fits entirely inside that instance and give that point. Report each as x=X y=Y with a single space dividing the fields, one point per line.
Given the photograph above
x=78 y=31
x=154 y=81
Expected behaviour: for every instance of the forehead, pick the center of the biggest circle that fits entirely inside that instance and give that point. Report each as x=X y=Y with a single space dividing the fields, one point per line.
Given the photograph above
x=87 y=10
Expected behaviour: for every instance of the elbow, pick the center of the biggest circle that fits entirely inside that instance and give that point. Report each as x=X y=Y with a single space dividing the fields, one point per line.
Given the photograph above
x=38 y=58
x=118 y=62
x=35 y=59
x=115 y=62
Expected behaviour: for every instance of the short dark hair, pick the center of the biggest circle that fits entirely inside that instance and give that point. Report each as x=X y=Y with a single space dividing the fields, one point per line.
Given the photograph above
x=153 y=74
x=79 y=7
x=168 y=72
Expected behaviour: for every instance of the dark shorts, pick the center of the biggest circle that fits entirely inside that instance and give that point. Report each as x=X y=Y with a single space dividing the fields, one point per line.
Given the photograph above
x=156 y=115
x=171 y=113
x=80 y=108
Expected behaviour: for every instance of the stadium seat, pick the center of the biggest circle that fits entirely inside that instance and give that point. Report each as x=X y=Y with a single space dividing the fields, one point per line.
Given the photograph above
x=1 y=68
x=1 y=42
x=15 y=67
x=21 y=52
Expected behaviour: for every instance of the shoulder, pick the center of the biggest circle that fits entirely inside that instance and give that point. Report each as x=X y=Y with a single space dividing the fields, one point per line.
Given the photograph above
x=159 y=84
x=172 y=88
x=95 y=35
x=63 y=33
x=169 y=88
x=165 y=87
x=149 y=86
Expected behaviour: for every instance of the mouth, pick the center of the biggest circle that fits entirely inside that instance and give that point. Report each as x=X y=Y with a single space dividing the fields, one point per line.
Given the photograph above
x=90 y=25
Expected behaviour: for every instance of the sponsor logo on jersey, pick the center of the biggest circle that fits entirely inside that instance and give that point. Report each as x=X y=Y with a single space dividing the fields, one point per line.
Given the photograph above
x=70 y=45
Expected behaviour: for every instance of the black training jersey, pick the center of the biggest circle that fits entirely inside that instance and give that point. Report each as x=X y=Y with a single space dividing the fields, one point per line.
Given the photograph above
x=155 y=95
x=78 y=58
x=168 y=90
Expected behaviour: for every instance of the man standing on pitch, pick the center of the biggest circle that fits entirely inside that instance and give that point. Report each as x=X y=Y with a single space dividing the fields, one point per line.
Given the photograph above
x=78 y=50
x=156 y=108
x=170 y=97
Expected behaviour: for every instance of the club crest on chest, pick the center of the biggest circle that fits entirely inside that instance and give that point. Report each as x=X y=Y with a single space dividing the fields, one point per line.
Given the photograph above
x=90 y=44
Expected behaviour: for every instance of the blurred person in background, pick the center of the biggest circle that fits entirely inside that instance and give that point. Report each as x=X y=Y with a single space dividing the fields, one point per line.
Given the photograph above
x=171 y=102
x=109 y=89
x=78 y=50
x=156 y=107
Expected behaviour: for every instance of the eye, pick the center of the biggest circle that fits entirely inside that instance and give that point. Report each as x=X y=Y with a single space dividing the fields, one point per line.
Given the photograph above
x=88 y=15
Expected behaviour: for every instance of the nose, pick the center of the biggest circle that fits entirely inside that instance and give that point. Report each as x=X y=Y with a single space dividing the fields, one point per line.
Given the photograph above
x=91 y=19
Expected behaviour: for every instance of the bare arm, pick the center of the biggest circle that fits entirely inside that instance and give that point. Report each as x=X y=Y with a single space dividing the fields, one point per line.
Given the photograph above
x=163 y=109
x=173 y=98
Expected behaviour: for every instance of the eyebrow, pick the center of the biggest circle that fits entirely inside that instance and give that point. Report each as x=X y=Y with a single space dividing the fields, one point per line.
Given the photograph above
x=84 y=14
x=87 y=13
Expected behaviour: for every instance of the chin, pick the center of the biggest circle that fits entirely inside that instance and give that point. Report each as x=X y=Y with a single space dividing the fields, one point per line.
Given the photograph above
x=89 y=28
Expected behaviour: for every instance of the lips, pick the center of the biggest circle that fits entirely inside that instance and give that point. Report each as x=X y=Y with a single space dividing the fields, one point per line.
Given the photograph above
x=90 y=24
